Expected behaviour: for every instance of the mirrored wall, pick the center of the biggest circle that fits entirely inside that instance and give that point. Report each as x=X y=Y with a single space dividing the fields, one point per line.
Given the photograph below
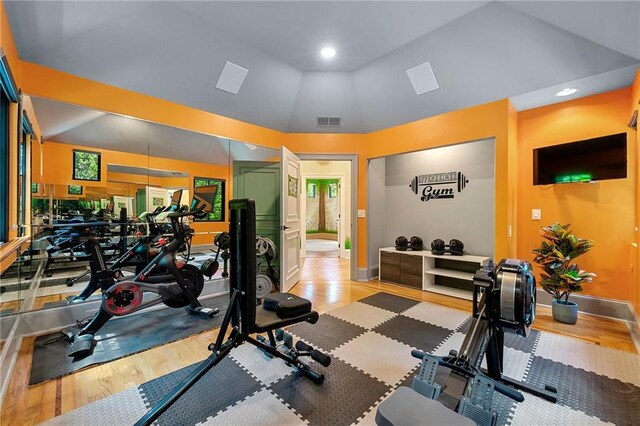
x=97 y=176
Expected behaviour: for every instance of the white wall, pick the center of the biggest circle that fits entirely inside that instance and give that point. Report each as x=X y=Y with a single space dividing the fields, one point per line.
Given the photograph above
x=469 y=216
x=330 y=169
x=377 y=212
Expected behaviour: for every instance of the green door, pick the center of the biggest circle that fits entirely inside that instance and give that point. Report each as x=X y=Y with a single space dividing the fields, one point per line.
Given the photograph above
x=260 y=181
x=141 y=201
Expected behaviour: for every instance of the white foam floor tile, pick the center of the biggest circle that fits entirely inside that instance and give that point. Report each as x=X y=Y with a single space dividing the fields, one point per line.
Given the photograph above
x=378 y=356
x=124 y=408
x=515 y=363
x=361 y=314
x=261 y=408
x=267 y=370
x=534 y=411
x=615 y=364
x=437 y=315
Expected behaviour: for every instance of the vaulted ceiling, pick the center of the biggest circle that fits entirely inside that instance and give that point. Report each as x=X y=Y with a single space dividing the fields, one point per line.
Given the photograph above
x=479 y=52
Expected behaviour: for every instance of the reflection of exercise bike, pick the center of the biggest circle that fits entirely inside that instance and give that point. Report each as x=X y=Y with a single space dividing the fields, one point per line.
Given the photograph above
x=104 y=272
x=176 y=283
x=503 y=298
x=242 y=318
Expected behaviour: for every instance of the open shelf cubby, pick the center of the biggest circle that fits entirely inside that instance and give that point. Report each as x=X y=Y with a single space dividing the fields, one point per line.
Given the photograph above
x=444 y=274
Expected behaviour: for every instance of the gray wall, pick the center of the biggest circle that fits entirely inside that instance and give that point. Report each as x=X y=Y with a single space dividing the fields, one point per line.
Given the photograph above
x=469 y=216
x=376 y=211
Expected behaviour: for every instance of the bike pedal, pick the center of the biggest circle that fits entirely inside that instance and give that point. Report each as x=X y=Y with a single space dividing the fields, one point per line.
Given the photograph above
x=82 y=346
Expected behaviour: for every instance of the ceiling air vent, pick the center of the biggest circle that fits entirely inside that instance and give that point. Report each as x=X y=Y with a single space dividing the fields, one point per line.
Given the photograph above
x=329 y=121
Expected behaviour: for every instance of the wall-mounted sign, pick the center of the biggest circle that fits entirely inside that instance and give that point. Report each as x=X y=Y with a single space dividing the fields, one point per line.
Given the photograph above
x=436 y=186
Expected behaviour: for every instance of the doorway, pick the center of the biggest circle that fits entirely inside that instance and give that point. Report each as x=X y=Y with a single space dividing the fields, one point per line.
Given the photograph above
x=323 y=216
x=327 y=228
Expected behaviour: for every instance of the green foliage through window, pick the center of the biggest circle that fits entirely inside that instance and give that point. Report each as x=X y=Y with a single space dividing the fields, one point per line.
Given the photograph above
x=86 y=165
x=217 y=215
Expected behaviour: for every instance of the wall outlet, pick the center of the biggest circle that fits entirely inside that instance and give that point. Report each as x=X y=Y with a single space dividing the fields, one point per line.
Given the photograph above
x=536 y=214
x=362 y=213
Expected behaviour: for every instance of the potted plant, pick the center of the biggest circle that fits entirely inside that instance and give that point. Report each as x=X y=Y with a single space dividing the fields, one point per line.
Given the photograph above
x=560 y=277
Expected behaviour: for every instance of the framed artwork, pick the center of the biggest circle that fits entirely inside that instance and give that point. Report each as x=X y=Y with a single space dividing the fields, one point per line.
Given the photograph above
x=157 y=201
x=34 y=188
x=293 y=186
x=74 y=189
x=86 y=165
x=311 y=190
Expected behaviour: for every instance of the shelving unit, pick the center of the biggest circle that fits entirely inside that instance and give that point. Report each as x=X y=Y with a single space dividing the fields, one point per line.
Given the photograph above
x=444 y=274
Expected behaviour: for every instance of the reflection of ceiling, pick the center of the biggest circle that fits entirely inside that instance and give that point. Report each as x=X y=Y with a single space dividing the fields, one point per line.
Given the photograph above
x=132 y=170
x=479 y=52
x=75 y=125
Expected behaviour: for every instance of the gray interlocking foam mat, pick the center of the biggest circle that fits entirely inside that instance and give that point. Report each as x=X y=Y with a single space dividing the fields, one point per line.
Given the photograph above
x=121 y=337
x=370 y=343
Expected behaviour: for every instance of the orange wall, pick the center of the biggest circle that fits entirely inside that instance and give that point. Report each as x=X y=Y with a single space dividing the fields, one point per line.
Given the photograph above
x=603 y=212
x=635 y=106
x=474 y=123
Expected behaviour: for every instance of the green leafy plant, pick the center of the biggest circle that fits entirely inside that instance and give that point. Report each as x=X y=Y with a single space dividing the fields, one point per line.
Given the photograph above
x=559 y=277
x=347 y=243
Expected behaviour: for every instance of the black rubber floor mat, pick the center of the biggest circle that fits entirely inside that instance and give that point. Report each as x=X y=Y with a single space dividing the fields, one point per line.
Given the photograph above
x=122 y=337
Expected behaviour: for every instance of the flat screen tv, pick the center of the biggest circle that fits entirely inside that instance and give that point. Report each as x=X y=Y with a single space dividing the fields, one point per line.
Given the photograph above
x=588 y=160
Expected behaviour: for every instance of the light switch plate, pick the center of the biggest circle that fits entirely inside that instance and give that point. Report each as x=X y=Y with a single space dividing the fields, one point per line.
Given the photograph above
x=362 y=213
x=536 y=214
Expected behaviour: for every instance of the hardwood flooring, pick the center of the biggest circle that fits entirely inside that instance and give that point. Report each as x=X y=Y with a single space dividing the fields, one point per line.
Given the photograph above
x=324 y=281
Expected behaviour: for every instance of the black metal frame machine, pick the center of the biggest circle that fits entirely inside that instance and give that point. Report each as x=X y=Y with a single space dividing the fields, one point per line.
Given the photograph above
x=503 y=299
x=243 y=318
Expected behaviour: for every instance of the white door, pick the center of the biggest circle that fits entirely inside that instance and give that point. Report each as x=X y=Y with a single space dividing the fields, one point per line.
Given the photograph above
x=290 y=219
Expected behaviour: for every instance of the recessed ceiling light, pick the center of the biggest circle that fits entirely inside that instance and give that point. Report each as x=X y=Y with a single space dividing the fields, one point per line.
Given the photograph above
x=328 y=52
x=568 y=91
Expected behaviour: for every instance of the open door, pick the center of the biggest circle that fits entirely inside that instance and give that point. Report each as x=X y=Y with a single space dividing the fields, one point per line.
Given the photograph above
x=290 y=220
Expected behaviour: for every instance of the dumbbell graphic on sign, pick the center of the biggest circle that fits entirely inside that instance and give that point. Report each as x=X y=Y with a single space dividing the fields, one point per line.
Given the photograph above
x=429 y=184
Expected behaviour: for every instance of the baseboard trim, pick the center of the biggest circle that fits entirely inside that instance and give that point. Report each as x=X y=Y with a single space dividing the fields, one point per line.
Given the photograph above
x=634 y=327
x=611 y=308
x=363 y=274
x=374 y=271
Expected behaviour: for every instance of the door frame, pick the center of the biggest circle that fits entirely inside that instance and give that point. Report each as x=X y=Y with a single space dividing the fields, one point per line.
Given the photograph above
x=341 y=203
x=353 y=158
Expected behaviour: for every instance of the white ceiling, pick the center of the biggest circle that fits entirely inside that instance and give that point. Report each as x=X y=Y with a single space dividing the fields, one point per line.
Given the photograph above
x=479 y=52
x=75 y=125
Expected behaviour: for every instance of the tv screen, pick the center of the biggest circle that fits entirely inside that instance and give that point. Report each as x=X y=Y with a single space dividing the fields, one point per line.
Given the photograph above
x=582 y=161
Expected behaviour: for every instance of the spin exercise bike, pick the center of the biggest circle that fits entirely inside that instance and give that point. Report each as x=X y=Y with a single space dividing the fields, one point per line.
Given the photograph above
x=503 y=299
x=176 y=283
x=244 y=318
x=103 y=272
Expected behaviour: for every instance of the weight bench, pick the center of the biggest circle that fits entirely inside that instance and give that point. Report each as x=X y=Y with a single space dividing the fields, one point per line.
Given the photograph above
x=244 y=318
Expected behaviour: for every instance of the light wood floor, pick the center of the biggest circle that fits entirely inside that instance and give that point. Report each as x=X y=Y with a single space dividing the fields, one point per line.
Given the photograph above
x=324 y=281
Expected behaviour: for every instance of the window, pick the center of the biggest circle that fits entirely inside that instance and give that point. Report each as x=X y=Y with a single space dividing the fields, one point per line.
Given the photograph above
x=217 y=215
x=4 y=166
x=74 y=189
x=86 y=165
x=22 y=183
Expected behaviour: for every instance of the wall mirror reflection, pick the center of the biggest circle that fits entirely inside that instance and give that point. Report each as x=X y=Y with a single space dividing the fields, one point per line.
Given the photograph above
x=99 y=176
